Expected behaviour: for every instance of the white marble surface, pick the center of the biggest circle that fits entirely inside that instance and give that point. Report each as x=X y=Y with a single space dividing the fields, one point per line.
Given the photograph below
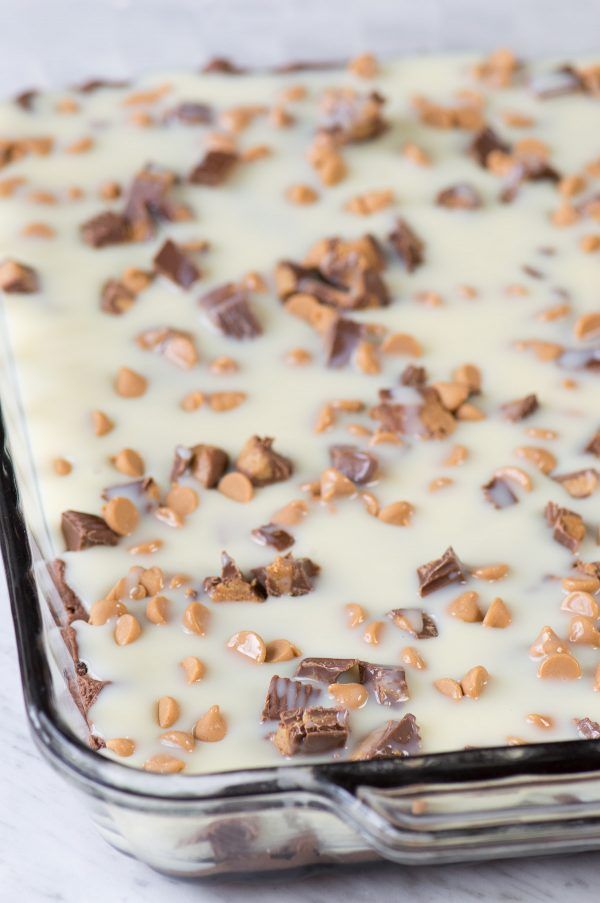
x=48 y=848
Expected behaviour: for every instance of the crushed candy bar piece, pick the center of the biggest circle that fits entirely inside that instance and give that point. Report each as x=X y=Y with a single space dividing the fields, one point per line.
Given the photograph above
x=83 y=531
x=116 y=298
x=232 y=586
x=18 y=279
x=498 y=492
x=568 y=527
x=175 y=345
x=394 y=738
x=351 y=117
x=190 y=112
x=144 y=493
x=587 y=729
x=418 y=623
x=441 y=572
x=172 y=261
x=261 y=464
x=593 y=446
x=311 y=730
x=355 y=464
x=557 y=83
x=326 y=670
x=283 y=695
x=214 y=169
x=520 y=408
x=287 y=576
x=580 y=484
x=273 y=535
x=407 y=244
x=148 y=202
x=386 y=682
x=228 y=310
x=459 y=197
x=105 y=229
x=486 y=142
x=341 y=341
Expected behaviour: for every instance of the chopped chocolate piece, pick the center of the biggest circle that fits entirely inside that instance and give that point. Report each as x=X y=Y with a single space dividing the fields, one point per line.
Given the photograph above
x=287 y=576
x=107 y=228
x=558 y=82
x=581 y=483
x=272 y=535
x=459 y=197
x=415 y=621
x=498 y=492
x=175 y=345
x=228 y=309
x=206 y=463
x=261 y=464
x=95 y=84
x=529 y=169
x=393 y=418
x=82 y=531
x=283 y=695
x=18 y=279
x=431 y=420
x=190 y=112
x=232 y=586
x=568 y=526
x=176 y=265
x=310 y=731
x=588 y=729
x=484 y=143
x=580 y=359
x=351 y=117
x=537 y=274
x=413 y=376
x=394 y=738
x=359 y=466
x=326 y=670
x=441 y=572
x=72 y=606
x=386 y=682
x=214 y=168
x=593 y=446
x=182 y=462
x=341 y=340
x=83 y=688
x=116 y=298
x=222 y=66
x=26 y=98
x=144 y=493
x=591 y=568
x=148 y=202
x=407 y=245
x=520 y=408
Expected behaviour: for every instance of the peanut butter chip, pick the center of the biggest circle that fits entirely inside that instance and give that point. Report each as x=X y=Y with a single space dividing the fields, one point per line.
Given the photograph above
x=193 y=669
x=127 y=630
x=192 y=401
x=545 y=722
x=183 y=500
x=475 y=681
x=581 y=603
x=560 y=666
x=169 y=517
x=497 y=615
x=546 y=642
x=121 y=746
x=450 y=688
x=146 y=548
x=466 y=608
x=409 y=656
x=226 y=401
x=402 y=343
x=349 y=696
x=291 y=514
x=491 y=572
x=181 y=739
x=236 y=486
x=515 y=475
x=335 y=485
x=458 y=455
x=195 y=618
x=121 y=515
x=167 y=711
x=588 y=326
x=163 y=764
x=582 y=630
x=281 y=651
x=372 y=632
x=62 y=467
x=539 y=457
x=105 y=609
x=101 y=424
x=355 y=614
x=250 y=645
x=130 y=463
x=301 y=194
x=586 y=584
x=211 y=727
x=397 y=513
x=130 y=384
x=157 y=609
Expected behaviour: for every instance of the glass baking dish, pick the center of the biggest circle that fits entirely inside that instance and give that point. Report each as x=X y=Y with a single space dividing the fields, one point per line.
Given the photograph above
x=448 y=807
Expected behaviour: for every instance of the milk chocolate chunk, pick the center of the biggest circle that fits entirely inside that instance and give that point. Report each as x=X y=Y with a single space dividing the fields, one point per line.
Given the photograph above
x=415 y=621
x=273 y=535
x=580 y=484
x=310 y=731
x=214 y=168
x=459 y=197
x=82 y=531
x=520 y=408
x=484 y=143
x=593 y=446
x=261 y=464
x=351 y=117
x=327 y=670
x=232 y=586
x=340 y=341
x=394 y=738
x=557 y=82
x=287 y=576
x=580 y=359
x=116 y=298
x=206 y=463
x=108 y=228
x=386 y=682
x=441 y=572
x=527 y=169
x=588 y=729
x=498 y=492
x=190 y=112
x=283 y=695
x=407 y=245
x=26 y=99
x=83 y=688
x=228 y=309
x=359 y=466
x=568 y=527
x=148 y=201
x=72 y=605
x=18 y=279
x=171 y=261
x=413 y=376
x=145 y=493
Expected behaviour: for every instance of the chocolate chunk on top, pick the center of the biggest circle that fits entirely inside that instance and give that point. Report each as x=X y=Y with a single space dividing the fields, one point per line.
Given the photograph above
x=359 y=466
x=593 y=446
x=350 y=116
x=327 y=670
x=394 y=738
x=82 y=531
x=261 y=464
x=108 y=228
x=311 y=730
x=232 y=586
x=498 y=492
x=341 y=340
x=214 y=168
x=407 y=245
x=386 y=682
x=283 y=695
x=459 y=197
x=415 y=621
x=18 y=278
x=588 y=729
x=441 y=572
x=568 y=527
x=520 y=408
x=287 y=576
x=580 y=484
x=207 y=463
x=172 y=261
x=228 y=309
x=273 y=535
x=116 y=298
x=486 y=142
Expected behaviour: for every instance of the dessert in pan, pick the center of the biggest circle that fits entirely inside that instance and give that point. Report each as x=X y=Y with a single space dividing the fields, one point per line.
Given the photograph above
x=309 y=363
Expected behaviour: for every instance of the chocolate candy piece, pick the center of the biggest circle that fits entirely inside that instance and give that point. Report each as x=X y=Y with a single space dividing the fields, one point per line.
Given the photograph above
x=580 y=359
x=206 y=463
x=261 y=464
x=386 y=682
x=593 y=446
x=588 y=729
x=359 y=466
x=273 y=535
x=310 y=731
x=26 y=98
x=394 y=738
x=557 y=82
x=287 y=576
x=17 y=278
x=407 y=245
x=441 y=572
x=116 y=298
x=214 y=168
x=415 y=621
x=228 y=309
x=144 y=493
x=580 y=484
x=148 y=201
x=520 y=408
x=340 y=341
x=106 y=228
x=232 y=586
x=284 y=694
x=82 y=531
x=72 y=606
x=222 y=65
x=413 y=376
x=459 y=197
x=176 y=265
x=498 y=492
x=484 y=143
x=351 y=117
x=190 y=112
x=326 y=670
x=568 y=527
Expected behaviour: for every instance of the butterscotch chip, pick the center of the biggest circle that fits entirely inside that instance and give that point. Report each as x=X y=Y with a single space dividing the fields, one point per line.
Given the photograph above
x=349 y=696
x=371 y=503
x=181 y=739
x=129 y=462
x=335 y=485
x=416 y=154
x=545 y=722
x=195 y=618
x=440 y=483
x=121 y=746
x=560 y=666
x=193 y=400
x=157 y=609
x=226 y=401
x=167 y=711
x=466 y=608
x=130 y=384
x=281 y=651
x=497 y=615
x=105 y=609
x=397 y=513
x=163 y=764
x=38 y=230
x=491 y=572
x=291 y=514
x=183 y=500
x=301 y=194
x=298 y=357
x=470 y=376
x=236 y=486
x=121 y=515
x=370 y=202
x=583 y=631
x=452 y=394
x=540 y=457
x=224 y=364
x=475 y=681
x=590 y=243
x=581 y=603
x=193 y=669
x=546 y=642
x=101 y=424
x=587 y=326
x=514 y=475
x=250 y=645
x=355 y=614
x=127 y=630
x=449 y=687
x=468 y=411
x=409 y=656
x=211 y=727
x=81 y=146
x=62 y=467
x=586 y=583
x=307 y=308
x=366 y=358
x=457 y=456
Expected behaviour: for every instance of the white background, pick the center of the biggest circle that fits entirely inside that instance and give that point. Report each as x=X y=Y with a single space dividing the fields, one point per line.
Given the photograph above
x=48 y=848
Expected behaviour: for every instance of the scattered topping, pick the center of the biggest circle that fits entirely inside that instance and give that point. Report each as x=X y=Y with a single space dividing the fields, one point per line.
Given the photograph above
x=546 y=642
x=355 y=614
x=587 y=729
x=105 y=609
x=61 y=467
x=121 y=515
x=559 y=666
x=17 y=278
x=195 y=618
x=129 y=462
x=281 y=651
x=181 y=739
x=214 y=169
x=101 y=423
x=193 y=669
x=206 y=463
x=351 y=117
x=460 y=197
x=311 y=730
x=581 y=483
x=232 y=586
x=521 y=408
x=182 y=500
x=475 y=681
x=540 y=457
x=407 y=245
x=449 y=687
x=121 y=746
x=466 y=608
x=250 y=645
x=358 y=466
x=568 y=527
x=82 y=531
x=228 y=310
x=157 y=609
x=498 y=492
x=301 y=194
x=261 y=464
x=348 y=696
x=409 y=656
x=372 y=632
x=415 y=621
x=287 y=576
x=491 y=572
x=272 y=535
x=236 y=486
x=127 y=630
x=394 y=738
x=284 y=695
x=211 y=727
x=441 y=572
x=164 y=764
x=497 y=615
x=387 y=683
x=130 y=384
x=175 y=345
x=172 y=261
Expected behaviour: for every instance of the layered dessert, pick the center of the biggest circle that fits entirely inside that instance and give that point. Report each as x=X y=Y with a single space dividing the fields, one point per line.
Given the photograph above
x=309 y=363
